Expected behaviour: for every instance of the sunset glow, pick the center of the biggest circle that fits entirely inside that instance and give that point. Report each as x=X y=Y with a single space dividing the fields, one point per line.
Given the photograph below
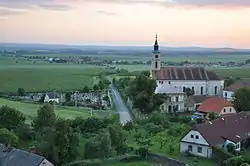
x=126 y=22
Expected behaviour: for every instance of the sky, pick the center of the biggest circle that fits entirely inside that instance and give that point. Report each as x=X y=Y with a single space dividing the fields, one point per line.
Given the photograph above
x=207 y=23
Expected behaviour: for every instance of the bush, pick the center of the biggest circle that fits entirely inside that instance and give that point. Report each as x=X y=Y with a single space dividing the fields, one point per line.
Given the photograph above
x=220 y=155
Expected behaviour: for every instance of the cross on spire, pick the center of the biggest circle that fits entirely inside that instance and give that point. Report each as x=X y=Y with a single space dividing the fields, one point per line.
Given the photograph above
x=156 y=46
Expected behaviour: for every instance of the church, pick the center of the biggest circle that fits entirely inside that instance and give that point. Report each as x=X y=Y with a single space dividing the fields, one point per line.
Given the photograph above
x=197 y=79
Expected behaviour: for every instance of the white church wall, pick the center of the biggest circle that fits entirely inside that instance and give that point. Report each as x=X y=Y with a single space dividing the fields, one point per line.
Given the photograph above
x=208 y=86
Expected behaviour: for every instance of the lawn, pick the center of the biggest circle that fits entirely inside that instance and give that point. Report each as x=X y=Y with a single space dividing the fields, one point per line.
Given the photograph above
x=45 y=76
x=139 y=163
x=246 y=155
x=197 y=161
x=30 y=110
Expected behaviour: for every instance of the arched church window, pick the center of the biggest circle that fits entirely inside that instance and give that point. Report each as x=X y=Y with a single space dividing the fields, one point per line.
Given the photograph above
x=156 y=56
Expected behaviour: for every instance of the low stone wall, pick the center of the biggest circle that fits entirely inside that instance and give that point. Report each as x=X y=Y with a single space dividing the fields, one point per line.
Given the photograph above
x=165 y=161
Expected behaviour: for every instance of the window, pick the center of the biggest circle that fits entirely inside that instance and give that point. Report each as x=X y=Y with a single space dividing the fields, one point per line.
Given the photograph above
x=192 y=88
x=169 y=99
x=224 y=110
x=169 y=108
x=215 y=90
x=156 y=56
x=177 y=99
x=190 y=148
x=199 y=149
x=169 y=82
x=201 y=90
x=156 y=65
x=230 y=109
x=225 y=94
x=197 y=137
x=192 y=136
x=184 y=89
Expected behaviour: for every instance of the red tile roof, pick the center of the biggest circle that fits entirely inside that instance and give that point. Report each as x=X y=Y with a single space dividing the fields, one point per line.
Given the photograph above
x=184 y=73
x=233 y=127
x=214 y=104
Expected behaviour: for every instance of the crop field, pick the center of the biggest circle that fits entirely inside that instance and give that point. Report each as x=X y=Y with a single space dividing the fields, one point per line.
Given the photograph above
x=45 y=77
x=192 y=58
x=30 y=110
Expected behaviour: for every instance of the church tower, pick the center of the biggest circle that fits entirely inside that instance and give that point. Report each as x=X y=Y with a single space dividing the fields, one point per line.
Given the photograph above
x=156 y=61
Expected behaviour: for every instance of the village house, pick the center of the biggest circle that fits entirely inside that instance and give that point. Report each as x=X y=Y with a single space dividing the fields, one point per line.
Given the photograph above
x=15 y=157
x=51 y=97
x=217 y=105
x=175 y=98
x=193 y=102
x=220 y=132
x=228 y=92
x=199 y=80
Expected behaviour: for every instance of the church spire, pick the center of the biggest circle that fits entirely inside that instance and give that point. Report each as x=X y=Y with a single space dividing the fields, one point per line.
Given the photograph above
x=156 y=46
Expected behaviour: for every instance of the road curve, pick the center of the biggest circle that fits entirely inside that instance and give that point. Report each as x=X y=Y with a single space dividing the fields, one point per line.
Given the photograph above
x=120 y=106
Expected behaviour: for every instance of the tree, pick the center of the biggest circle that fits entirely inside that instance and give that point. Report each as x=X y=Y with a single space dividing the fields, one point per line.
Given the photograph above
x=7 y=136
x=228 y=81
x=68 y=96
x=24 y=132
x=212 y=116
x=189 y=92
x=21 y=91
x=118 y=138
x=106 y=98
x=58 y=143
x=95 y=87
x=101 y=85
x=234 y=161
x=10 y=118
x=98 y=146
x=85 y=89
x=241 y=99
x=46 y=117
x=141 y=91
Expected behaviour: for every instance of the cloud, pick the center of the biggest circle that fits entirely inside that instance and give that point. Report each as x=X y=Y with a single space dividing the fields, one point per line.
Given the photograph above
x=243 y=3
x=106 y=13
x=6 y=12
x=31 y=4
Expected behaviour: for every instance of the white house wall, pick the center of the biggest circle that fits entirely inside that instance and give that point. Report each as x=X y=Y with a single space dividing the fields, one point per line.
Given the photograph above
x=208 y=86
x=189 y=139
x=180 y=103
x=229 y=95
x=228 y=110
x=206 y=150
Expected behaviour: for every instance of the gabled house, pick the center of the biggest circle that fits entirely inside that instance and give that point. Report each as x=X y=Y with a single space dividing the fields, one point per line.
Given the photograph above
x=228 y=92
x=51 y=97
x=175 y=98
x=217 y=105
x=193 y=102
x=15 y=157
x=219 y=132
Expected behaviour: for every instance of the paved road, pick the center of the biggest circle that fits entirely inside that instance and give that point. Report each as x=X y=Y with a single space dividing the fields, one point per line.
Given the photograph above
x=120 y=106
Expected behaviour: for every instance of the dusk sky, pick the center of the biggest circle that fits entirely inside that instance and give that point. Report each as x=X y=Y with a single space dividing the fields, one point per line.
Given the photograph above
x=209 y=23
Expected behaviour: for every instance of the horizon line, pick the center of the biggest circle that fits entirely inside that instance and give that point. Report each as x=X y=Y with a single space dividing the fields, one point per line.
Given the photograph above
x=125 y=45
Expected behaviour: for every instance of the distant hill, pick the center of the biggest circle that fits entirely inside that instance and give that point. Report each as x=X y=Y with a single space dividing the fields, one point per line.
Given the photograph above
x=116 y=50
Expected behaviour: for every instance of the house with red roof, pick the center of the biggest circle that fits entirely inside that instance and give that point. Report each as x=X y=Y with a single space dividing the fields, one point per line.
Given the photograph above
x=217 y=105
x=234 y=129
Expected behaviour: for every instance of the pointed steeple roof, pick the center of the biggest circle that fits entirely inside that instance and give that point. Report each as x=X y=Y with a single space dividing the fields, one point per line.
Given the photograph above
x=156 y=46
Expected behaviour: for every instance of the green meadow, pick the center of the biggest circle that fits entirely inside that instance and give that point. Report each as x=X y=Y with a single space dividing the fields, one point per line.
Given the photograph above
x=30 y=110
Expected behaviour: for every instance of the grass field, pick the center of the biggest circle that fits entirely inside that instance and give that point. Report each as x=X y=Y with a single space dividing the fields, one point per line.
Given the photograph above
x=142 y=163
x=41 y=77
x=30 y=110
